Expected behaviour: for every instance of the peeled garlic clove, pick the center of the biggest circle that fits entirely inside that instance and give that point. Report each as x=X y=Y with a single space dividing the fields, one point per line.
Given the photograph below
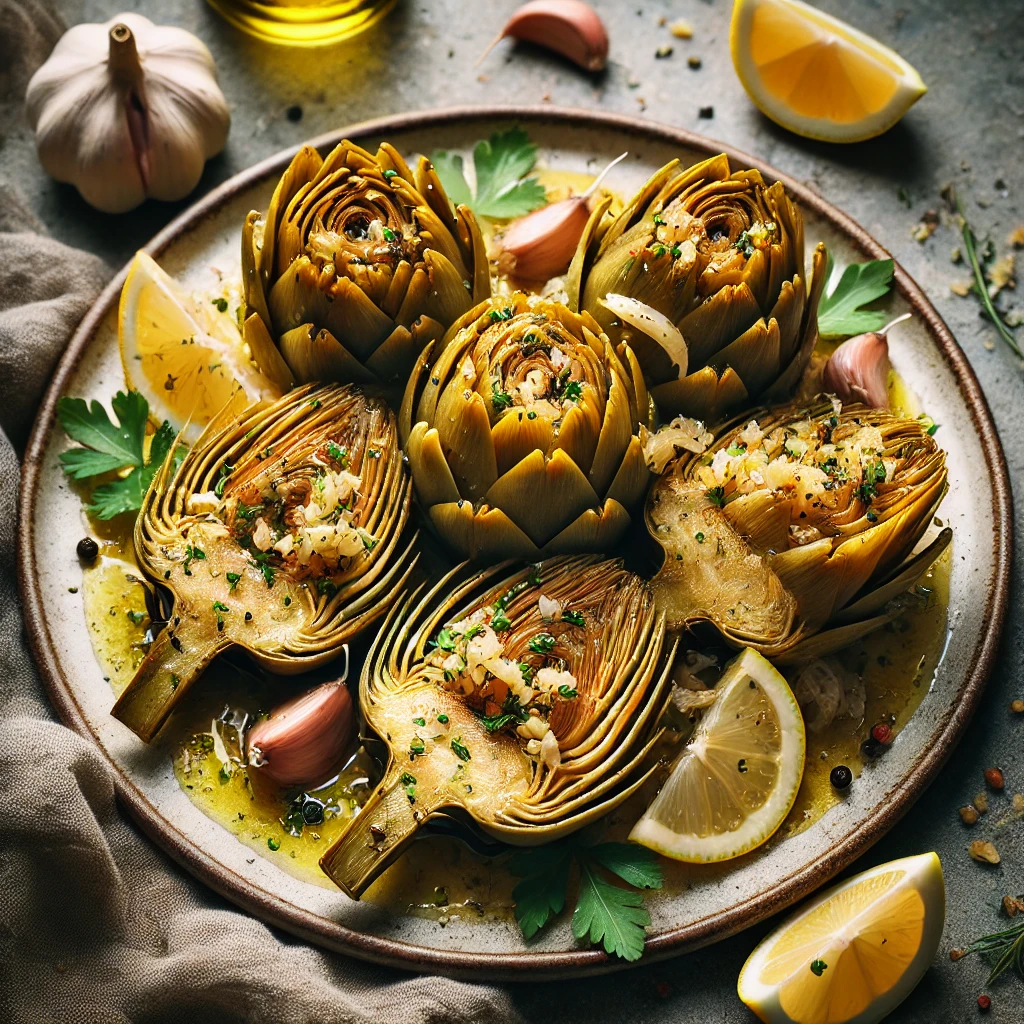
x=306 y=740
x=858 y=371
x=569 y=27
x=541 y=244
x=647 y=320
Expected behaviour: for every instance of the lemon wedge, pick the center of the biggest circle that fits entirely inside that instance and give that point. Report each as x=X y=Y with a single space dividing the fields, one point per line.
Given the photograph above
x=855 y=952
x=737 y=778
x=816 y=75
x=188 y=361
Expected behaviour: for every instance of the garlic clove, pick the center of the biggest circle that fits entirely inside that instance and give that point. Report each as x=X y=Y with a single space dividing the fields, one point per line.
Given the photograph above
x=541 y=244
x=858 y=370
x=304 y=741
x=648 y=320
x=569 y=27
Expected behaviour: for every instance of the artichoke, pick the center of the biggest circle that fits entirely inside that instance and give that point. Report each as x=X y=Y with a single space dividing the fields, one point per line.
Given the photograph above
x=792 y=533
x=522 y=435
x=279 y=533
x=357 y=265
x=719 y=255
x=525 y=699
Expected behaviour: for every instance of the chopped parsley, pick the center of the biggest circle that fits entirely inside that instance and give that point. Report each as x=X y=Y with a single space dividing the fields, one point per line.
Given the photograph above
x=567 y=692
x=501 y=400
x=459 y=749
x=542 y=643
x=573 y=618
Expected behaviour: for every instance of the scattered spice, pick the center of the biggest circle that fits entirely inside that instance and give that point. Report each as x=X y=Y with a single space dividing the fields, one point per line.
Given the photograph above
x=981 y=803
x=994 y=779
x=882 y=733
x=961 y=288
x=694 y=62
x=1015 y=238
x=294 y=113
x=984 y=852
x=984 y=1003
x=924 y=230
x=87 y=549
x=1012 y=905
x=684 y=30
x=706 y=113
x=968 y=814
x=662 y=52
x=841 y=777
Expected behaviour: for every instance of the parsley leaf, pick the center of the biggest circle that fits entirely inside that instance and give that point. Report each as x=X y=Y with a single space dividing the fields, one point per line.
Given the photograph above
x=605 y=912
x=840 y=314
x=110 y=447
x=611 y=915
x=541 y=893
x=501 y=163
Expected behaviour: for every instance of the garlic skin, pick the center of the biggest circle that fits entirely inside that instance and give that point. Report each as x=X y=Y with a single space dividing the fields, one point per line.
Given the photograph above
x=858 y=370
x=127 y=110
x=306 y=740
x=648 y=320
x=569 y=27
x=541 y=245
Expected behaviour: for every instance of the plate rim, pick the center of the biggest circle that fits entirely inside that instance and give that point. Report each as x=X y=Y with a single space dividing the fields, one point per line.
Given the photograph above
x=540 y=965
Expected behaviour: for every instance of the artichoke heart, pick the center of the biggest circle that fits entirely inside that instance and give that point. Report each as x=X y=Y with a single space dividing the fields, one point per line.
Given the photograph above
x=280 y=533
x=720 y=253
x=526 y=699
x=796 y=528
x=358 y=263
x=522 y=434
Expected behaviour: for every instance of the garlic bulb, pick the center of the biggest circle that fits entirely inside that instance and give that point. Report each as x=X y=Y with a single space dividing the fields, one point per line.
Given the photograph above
x=858 y=371
x=127 y=110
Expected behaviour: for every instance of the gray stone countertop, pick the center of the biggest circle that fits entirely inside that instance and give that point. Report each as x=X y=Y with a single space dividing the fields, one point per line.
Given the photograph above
x=968 y=130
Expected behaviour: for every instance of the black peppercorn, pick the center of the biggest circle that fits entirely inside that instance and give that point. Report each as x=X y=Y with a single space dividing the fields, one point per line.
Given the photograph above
x=871 y=747
x=294 y=113
x=87 y=549
x=840 y=776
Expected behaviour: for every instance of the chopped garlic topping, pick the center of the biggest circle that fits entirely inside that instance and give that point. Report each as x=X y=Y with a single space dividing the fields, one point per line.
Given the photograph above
x=549 y=608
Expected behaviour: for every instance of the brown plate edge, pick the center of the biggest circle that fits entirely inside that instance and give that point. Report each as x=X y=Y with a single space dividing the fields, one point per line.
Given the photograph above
x=539 y=965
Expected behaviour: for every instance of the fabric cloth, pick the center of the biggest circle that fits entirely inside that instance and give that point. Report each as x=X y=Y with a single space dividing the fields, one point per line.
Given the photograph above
x=96 y=924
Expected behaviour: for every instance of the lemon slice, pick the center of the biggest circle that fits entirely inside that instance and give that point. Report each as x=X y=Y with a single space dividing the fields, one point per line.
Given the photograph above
x=737 y=778
x=188 y=362
x=855 y=952
x=816 y=75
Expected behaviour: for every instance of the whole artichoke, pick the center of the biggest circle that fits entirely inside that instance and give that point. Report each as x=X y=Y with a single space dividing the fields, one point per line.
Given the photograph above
x=280 y=533
x=357 y=264
x=793 y=532
x=721 y=255
x=526 y=698
x=522 y=434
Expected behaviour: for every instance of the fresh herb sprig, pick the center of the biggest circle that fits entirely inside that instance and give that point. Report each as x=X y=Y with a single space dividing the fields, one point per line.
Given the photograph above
x=975 y=259
x=109 y=447
x=1003 y=950
x=501 y=164
x=840 y=312
x=605 y=912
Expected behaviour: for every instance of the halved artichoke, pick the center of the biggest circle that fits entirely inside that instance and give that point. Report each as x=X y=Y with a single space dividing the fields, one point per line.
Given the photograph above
x=280 y=533
x=526 y=699
x=357 y=264
x=793 y=532
x=522 y=434
x=721 y=255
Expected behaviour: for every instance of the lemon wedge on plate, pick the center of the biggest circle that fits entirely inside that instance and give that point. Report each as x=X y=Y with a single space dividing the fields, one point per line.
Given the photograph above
x=737 y=778
x=816 y=75
x=187 y=361
x=855 y=952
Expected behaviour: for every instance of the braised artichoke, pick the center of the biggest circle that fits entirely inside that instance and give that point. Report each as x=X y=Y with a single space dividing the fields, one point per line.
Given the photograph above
x=793 y=532
x=280 y=533
x=720 y=254
x=522 y=434
x=357 y=264
x=527 y=699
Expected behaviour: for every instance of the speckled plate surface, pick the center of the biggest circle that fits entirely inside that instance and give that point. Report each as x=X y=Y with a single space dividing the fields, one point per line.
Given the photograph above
x=712 y=905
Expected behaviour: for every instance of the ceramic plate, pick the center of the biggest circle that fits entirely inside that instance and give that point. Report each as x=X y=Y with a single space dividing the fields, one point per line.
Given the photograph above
x=712 y=905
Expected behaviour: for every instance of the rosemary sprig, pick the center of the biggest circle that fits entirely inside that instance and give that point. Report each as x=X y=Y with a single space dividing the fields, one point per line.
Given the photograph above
x=1005 y=949
x=971 y=249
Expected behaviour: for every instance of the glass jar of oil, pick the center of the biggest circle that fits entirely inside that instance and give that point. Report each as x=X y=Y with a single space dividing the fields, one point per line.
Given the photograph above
x=302 y=22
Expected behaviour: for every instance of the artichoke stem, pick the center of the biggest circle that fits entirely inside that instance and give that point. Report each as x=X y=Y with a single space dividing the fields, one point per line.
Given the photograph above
x=169 y=669
x=376 y=836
